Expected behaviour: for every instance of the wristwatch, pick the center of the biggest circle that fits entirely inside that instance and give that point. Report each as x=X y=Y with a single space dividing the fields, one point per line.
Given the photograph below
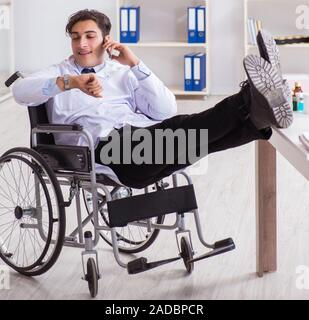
x=66 y=81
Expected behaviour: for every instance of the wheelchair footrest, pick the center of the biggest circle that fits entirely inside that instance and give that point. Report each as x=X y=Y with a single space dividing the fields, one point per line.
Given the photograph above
x=141 y=265
x=149 y=205
x=220 y=247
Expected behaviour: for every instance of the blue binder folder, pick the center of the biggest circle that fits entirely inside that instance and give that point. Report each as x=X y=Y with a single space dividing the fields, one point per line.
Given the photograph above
x=201 y=24
x=199 y=72
x=124 y=24
x=129 y=24
x=134 y=24
x=188 y=71
x=192 y=27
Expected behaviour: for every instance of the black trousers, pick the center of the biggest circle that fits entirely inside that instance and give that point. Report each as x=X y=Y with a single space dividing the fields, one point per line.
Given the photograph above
x=228 y=125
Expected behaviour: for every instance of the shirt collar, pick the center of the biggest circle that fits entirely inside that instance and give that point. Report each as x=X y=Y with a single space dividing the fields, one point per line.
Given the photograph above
x=97 y=68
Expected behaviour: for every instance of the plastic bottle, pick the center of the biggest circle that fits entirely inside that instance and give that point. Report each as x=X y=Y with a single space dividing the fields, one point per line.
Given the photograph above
x=298 y=102
x=294 y=100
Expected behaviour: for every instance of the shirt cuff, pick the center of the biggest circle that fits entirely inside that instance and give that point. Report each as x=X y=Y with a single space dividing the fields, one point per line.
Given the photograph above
x=141 y=71
x=50 y=88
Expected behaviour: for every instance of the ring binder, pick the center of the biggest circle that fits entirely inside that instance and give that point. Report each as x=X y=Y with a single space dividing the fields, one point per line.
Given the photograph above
x=129 y=24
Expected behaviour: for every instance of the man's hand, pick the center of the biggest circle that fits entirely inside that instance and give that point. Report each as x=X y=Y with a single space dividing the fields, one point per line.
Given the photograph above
x=88 y=83
x=126 y=56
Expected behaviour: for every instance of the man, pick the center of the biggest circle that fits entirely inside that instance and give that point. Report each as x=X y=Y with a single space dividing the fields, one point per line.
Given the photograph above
x=105 y=95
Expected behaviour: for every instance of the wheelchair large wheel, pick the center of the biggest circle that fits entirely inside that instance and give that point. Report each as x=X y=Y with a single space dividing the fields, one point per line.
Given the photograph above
x=131 y=238
x=32 y=216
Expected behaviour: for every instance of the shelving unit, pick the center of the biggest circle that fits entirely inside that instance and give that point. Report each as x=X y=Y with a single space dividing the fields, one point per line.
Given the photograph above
x=279 y=18
x=167 y=44
x=156 y=40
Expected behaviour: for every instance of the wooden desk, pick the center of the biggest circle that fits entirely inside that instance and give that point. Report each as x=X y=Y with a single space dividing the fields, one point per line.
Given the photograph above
x=286 y=142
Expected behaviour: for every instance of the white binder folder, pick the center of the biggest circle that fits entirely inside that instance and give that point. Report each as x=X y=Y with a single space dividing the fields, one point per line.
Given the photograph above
x=124 y=20
x=197 y=71
x=200 y=19
x=133 y=20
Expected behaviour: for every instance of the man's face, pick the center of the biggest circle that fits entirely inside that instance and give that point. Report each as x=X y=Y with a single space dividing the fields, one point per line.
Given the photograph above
x=87 y=40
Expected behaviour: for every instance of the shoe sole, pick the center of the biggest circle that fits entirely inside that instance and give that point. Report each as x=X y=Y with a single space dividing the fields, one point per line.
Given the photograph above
x=269 y=50
x=287 y=91
x=268 y=90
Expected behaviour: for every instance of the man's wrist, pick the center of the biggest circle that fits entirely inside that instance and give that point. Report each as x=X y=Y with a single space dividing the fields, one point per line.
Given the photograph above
x=71 y=83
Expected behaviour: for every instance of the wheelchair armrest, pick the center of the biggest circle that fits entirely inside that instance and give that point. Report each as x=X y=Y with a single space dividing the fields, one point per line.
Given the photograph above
x=67 y=129
x=13 y=78
x=57 y=127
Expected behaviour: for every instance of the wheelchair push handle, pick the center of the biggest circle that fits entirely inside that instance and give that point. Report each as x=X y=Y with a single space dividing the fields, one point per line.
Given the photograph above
x=13 y=78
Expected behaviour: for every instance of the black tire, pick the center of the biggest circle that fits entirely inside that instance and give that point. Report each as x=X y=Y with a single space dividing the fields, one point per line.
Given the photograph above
x=27 y=215
x=187 y=254
x=92 y=277
x=126 y=245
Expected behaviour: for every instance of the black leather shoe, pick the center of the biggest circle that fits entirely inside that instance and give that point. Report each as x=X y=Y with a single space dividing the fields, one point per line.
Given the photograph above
x=269 y=105
x=270 y=52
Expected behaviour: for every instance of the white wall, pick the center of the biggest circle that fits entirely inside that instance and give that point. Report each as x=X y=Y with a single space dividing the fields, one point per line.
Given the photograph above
x=4 y=51
x=5 y=45
x=40 y=39
x=227 y=45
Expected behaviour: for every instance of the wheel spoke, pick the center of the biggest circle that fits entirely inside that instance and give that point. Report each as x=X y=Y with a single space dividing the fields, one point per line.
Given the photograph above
x=5 y=179
x=17 y=248
x=10 y=234
x=12 y=174
x=3 y=232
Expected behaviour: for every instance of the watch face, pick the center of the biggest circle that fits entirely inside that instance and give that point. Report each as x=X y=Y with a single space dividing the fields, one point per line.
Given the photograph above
x=66 y=81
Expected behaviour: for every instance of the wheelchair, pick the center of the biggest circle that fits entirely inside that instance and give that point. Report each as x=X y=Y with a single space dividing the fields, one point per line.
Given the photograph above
x=32 y=207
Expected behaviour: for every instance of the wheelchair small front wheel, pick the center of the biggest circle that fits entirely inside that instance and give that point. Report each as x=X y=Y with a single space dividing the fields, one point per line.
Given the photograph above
x=92 y=277
x=186 y=253
x=32 y=218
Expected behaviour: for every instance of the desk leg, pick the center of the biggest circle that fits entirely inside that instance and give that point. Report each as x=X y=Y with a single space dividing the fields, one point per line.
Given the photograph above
x=266 y=208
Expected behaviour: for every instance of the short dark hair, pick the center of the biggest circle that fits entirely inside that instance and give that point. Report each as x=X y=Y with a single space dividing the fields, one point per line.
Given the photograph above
x=100 y=18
